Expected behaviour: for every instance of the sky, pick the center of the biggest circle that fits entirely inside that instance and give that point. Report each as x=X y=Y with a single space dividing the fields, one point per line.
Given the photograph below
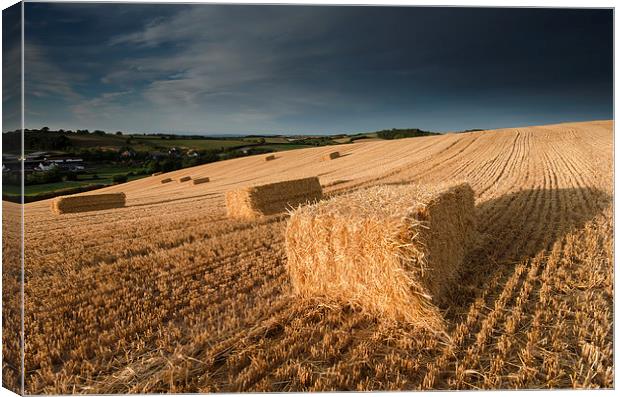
x=242 y=69
x=11 y=70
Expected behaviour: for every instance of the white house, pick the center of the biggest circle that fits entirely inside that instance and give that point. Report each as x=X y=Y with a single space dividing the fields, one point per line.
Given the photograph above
x=43 y=167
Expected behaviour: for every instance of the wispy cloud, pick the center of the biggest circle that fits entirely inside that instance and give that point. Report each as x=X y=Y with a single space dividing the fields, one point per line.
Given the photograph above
x=44 y=78
x=208 y=60
x=11 y=87
x=105 y=106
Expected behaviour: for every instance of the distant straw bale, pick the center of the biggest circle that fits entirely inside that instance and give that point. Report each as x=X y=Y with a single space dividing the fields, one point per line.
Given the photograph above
x=331 y=156
x=270 y=157
x=392 y=251
x=156 y=173
x=92 y=202
x=166 y=180
x=185 y=178
x=272 y=198
x=198 y=181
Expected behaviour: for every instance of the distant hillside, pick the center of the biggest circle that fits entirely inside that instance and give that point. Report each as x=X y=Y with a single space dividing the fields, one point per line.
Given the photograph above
x=78 y=140
x=396 y=133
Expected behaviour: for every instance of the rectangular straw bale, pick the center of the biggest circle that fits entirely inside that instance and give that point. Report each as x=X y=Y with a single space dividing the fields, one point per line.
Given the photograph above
x=255 y=201
x=392 y=251
x=91 y=202
x=270 y=157
x=166 y=180
x=156 y=173
x=185 y=178
x=198 y=181
x=331 y=156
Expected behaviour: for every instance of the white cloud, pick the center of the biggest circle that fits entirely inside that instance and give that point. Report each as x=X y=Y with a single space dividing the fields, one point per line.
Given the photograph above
x=222 y=23
x=104 y=106
x=225 y=63
x=11 y=88
x=45 y=79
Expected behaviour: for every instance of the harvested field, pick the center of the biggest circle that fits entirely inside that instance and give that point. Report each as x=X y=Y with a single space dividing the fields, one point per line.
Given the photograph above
x=272 y=198
x=185 y=179
x=393 y=251
x=11 y=296
x=198 y=181
x=84 y=203
x=145 y=299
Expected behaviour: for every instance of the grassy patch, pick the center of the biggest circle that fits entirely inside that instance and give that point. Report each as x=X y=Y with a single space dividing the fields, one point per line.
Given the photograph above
x=199 y=144
x=104 y=177
x=281 y=147
x=93 y=141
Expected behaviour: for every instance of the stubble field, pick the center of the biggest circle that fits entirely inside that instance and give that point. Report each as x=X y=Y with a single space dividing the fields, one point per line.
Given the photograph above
x=168 y=295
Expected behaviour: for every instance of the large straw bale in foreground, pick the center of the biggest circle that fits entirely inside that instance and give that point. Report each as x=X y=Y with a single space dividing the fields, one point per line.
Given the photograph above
x=185 y=178
x=391 y=250
x=166 y=180
x=92 y=202
x=272 y=198
x=270 y=157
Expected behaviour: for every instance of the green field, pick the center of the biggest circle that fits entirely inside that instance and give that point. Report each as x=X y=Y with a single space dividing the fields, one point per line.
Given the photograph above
x=31 y=190
x=282 y=147
x=109 y=171
x=276 y=144
x=104 y=177
x=275 y=139
x=91 y=140
x=150 y=142
x=144 y=143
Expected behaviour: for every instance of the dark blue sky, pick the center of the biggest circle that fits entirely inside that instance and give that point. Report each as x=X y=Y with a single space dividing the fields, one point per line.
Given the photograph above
x=296 y=69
